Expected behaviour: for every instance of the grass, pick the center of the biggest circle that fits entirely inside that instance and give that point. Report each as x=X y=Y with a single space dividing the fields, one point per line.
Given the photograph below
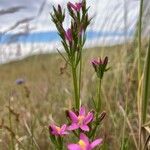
x=26 y=110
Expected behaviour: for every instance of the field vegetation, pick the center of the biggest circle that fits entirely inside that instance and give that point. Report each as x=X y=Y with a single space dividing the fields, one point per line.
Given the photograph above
x=27 y=108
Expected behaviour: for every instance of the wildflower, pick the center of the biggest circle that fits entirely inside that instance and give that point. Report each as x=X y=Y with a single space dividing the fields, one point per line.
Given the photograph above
x=68 y=35
x=76 y=6
x=80 y=121
x=55 y=130
x=20 y=81
x=100 y=66
x=84 y=143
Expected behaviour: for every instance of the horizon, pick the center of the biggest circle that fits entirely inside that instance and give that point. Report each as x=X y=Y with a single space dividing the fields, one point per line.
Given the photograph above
x=50 y=36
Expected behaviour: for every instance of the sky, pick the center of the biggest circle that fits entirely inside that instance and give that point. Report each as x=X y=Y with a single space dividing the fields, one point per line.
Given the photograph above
x=108 y=14
x=111 y=20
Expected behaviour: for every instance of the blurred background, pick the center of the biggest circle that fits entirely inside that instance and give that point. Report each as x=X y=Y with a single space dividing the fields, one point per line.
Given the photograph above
x=26 y=27
x=35 y=82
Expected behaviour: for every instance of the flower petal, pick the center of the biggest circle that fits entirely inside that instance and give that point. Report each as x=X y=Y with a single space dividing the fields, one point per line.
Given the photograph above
x=78 y=6
x=82 y=111
x=65 y=132
x=72 y=6
x=63 y=128
x=88 y=118
x=96 y=142
x=84 y=138
x=73 y=147
x=53 y=129
x=73 y=126
x=84 y=127
x=73 y=116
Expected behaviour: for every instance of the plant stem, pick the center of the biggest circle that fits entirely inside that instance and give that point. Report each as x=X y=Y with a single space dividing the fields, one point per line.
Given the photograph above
x=139 y=69
x=146 y=85
x=80 y=74
x=60 y=143
x=98 y=109
x=10 y=124
x=139 y=39
x=99 y=97
x=75 y=83
x=124 y=121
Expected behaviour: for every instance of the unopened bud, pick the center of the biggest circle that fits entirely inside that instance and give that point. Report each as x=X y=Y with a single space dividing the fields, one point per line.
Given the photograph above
x=102 y=116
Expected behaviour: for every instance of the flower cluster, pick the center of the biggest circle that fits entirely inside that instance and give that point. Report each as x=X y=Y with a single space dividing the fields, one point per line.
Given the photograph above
x=83 y=125
x=80 y=120
x=100 y=66
x=80 y=123
x=84 y=143
x=72 y=38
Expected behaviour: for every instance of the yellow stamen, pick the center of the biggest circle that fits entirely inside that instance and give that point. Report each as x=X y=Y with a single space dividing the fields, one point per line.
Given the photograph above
x=82 y=144
x=80 y=119
x=58 y=129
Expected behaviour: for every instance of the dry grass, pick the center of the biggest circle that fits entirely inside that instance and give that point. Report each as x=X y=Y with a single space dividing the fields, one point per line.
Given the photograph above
x=26 y=110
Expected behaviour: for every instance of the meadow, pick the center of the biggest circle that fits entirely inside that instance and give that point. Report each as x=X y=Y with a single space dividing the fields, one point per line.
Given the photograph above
x=44 y=97
x=28 y=108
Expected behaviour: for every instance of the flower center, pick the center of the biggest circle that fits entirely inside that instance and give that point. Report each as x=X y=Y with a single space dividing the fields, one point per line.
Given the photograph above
x=80 y=120
x=58 y=129
x=82 y=145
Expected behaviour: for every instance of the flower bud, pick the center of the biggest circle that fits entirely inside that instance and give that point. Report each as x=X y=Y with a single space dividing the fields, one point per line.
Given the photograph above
x=100 y=66
x=102 y=116
x=68 y=35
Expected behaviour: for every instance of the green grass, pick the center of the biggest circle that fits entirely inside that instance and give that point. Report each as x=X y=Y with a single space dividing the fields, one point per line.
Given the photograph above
x=47 y=93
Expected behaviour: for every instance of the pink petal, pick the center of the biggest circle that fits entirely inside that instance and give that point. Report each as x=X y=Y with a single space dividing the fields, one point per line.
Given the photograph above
x=84 y=127
x=78 y=6
x=88 y=118
x=63 y=128
x=54 y=133
x=84 y=138
x=72 y=5
x=73 y=147
x=64 y=133
x=73 y=126
x=96 y=142
x=54 y=130
x=73 y=116
x=69 y=34
x=94 y=62
x=82 y=111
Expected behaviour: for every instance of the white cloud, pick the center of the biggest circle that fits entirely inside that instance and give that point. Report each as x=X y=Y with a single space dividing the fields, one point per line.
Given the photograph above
x=109 y=13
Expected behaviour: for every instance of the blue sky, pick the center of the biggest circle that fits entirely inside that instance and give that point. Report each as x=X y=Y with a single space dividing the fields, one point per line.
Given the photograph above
x=109 y=15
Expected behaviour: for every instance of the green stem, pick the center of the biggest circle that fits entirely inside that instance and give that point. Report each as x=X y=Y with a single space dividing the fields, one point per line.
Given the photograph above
x=99 y=97
x=60 y=143
x=80 y=74
x=139 y=39
x=139 y=68
x=94 y=130
x=99 y=103
x=146 y=84
x=76 y=96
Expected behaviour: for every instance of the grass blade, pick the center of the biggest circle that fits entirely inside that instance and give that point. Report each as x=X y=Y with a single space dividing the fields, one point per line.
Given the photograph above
x=146 y=85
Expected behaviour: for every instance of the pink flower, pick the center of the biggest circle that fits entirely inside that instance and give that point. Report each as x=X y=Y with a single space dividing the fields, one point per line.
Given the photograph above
x=80 y=121
x=99 y=61
x=100 y=66
x=68 y=35
x=76 y=6
x=84 y=143
x=55 y=130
